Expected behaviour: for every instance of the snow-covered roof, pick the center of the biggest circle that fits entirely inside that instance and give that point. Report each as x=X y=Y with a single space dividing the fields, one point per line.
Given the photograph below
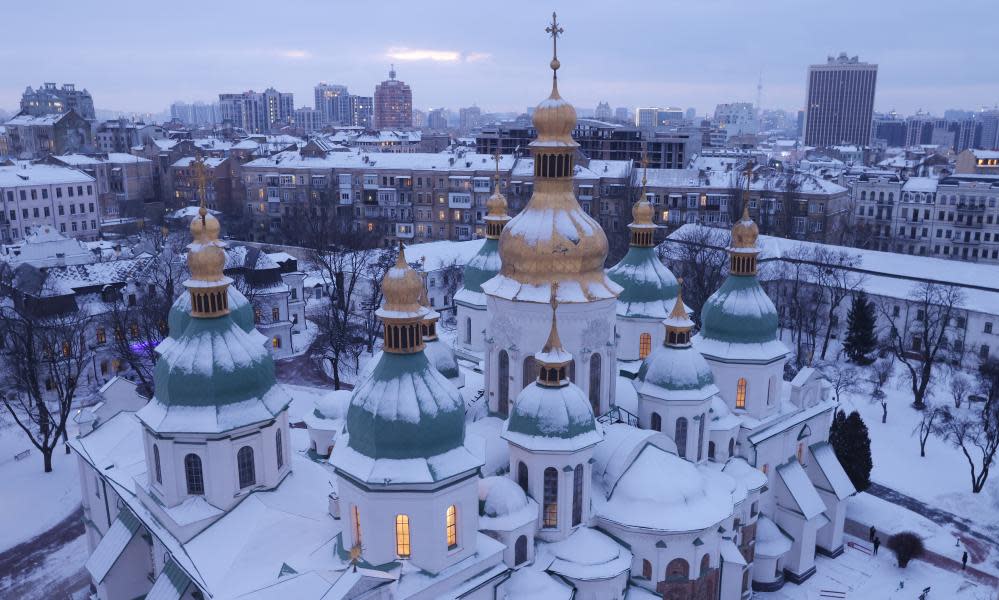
x=25 y=119
x=210 y=162
x=505 y=507
x=27 y=174
x=802 y=491
x=622 y=443
x=825 y=458
x=771 y=542
x=531 y=584
x=359 y=159
x=920 y=184
x=433 y=256
x=589 y=554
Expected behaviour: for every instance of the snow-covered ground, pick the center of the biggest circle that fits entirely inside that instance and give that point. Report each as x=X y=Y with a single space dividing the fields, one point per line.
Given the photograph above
x=857 y=575
x=32 y=501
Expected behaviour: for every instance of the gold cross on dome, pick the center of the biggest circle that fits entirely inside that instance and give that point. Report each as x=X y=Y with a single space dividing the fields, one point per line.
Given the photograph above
x=554 y=30
x=554 y=299
x=496 y=157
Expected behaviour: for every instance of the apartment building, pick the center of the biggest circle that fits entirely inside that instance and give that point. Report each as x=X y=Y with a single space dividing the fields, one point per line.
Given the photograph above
x=36 y=136
x=953 y=217
x=218 y=184
x=125 y=183
x=35 y=196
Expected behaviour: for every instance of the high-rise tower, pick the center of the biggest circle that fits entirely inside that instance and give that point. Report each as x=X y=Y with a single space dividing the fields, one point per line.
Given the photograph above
x=840 y=103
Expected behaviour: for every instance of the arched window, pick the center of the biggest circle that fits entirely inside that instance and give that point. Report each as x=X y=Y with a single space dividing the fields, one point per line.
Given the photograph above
x=357 y=525
x=657 y=422
x=452 y=527
x=801 y=453
x=156 y=464
x=680 y=437
x=711 y=450
x=731 y=447
x=244 y=464
x=740 y=393
x=646 y=569
x=677 y=570
x=595 y=383
x=766 y=469
x=402 y=536
x=468 y=330
x=705 y=565
x=700 y=437
x=279 y=449
x=504 y=383
x=530 y=371
x=276 y=342
x=644 y=345
x=195 y=477
x=522 y=476
x=520 y=550
x=577 y=495
x=550 y=518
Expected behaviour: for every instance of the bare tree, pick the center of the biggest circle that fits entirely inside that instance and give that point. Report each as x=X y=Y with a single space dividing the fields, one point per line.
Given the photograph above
x=451 y=274
x=836 y=280
x=43 y=355
x=918 y=332
x=842 y=376
x=960 y=386
x=372 y=299
x=698 y=256
x=881 y=370
x=975 y=431
x=928 y=425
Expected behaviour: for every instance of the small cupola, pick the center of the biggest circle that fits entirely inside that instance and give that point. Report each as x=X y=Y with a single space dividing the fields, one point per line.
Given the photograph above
x=401 y=314
x=553 y=360
x=678 y=323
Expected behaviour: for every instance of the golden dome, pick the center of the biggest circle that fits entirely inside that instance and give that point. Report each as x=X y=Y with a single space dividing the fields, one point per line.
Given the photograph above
x=205 y=258
x=402 y=287
x=496 y=204
x=745 y=231
x=554 y=119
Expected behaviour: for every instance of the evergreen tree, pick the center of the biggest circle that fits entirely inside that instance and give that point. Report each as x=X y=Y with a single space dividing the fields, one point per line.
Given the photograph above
x=860 y=338
x=850 y=440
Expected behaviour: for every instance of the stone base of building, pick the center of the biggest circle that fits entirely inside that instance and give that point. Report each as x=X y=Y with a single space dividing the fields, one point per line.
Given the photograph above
x=769 y=586
x=798 y=577
x=829 y=553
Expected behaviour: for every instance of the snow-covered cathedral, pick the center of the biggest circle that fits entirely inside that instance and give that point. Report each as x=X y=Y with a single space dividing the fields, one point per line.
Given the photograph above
x=622 y=456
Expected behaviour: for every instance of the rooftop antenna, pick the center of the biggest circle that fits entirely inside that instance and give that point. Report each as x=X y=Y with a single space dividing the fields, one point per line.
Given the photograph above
x=759 y=91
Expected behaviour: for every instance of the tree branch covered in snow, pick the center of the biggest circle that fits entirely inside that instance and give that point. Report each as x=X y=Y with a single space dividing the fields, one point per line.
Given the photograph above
x=697 y=256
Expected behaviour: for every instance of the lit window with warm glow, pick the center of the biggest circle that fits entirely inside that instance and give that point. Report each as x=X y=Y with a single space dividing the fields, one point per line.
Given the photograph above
x=740 y=393
x=276 y=342
x=402 y=536
x=452 y=527
x=644 y=345
x=766 y=469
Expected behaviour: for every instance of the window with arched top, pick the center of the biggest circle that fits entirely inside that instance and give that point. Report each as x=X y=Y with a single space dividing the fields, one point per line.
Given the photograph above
x=711 y=450
x=279 y=449
x=644 y=345
x=801 y=453
x=245 y=467
x=522 y=476
x=700 y=436
x=468 y=330
x=451 y=519
x=646 y=569
x=577 y=495
x=705 y=565
x=677 y=570
x=731 y=447
x=550 y=508
x=402 y=545
x=156 y=464
x=595 y=365
x=657 y=422
x=194 y=475
x=520 y=550
x=740 y=393
x=680 y=437
x=530 y=371
x=504 y=383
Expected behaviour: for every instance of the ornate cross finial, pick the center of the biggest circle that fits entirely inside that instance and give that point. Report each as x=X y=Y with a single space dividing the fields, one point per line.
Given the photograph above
x=745 y=195
x=554 y=299
x=645 y=167
x=496 y=176
x=201 y=179
x=554 y=31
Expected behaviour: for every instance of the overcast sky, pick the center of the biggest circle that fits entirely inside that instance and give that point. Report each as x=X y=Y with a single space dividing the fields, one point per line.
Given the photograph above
x=141 y=56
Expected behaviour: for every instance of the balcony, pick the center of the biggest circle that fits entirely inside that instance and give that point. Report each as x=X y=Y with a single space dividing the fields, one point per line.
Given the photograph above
x=459 y=200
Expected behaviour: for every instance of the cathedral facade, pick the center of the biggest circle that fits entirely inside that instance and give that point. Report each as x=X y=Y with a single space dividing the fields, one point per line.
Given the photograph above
x=622 y=454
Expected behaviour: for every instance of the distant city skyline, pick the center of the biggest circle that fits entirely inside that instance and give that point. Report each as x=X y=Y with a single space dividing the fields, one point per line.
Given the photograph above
x=651 y=54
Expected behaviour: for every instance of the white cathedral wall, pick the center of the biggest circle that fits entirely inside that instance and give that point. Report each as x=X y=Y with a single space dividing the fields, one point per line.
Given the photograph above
x=600 y=589
x=472 y=323
x=521 y=329
x=427 y=512
x=643 y=545
x=565 y=463
x=129 y=577
x=629 y=333
x=720 y=438
x=670 y=412
x=763 y=385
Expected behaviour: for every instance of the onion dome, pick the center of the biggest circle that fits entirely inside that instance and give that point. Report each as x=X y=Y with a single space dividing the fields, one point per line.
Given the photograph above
x=675 y=371
x=438 y=353
x=486 y=262
x=663 y=492
x=553 y=238
x=214 y=373
x=588 y=554
x=740 y=312
x=552 y=413
x=405 y=411
x=648 y=288
x=496 y=206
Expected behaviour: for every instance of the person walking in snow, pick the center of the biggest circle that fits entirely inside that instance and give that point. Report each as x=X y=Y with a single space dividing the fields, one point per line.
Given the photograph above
x=964 y=560
x=877 y=544
x=870 y=534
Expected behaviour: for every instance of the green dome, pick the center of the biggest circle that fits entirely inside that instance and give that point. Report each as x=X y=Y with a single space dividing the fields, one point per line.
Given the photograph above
x=674 y=369
x=739 y=312
x=210 y=363
x=554 y=418
x=483 y=266
x=405 y=410
x=649 y=288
